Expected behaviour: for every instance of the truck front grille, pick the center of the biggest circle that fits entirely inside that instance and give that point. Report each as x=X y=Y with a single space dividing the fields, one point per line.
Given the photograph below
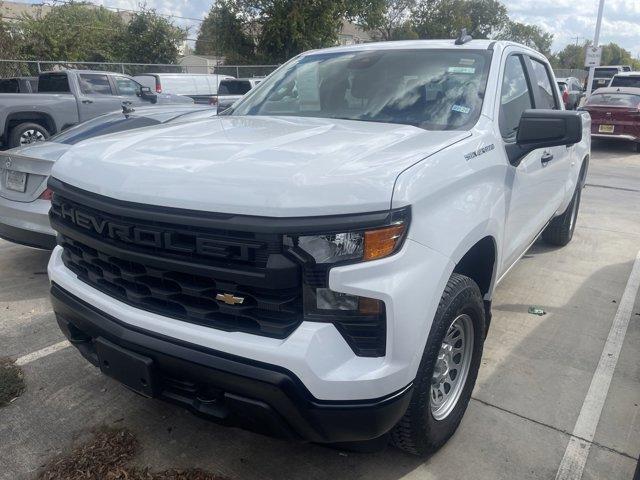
x=178 y=269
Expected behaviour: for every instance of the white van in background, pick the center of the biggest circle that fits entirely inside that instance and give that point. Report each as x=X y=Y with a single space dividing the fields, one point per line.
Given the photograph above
x=198 y=86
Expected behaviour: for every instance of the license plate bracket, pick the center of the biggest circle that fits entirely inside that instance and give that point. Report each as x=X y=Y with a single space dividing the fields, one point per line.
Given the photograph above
x=16 y=181
x=135 y=371
x=606 y=128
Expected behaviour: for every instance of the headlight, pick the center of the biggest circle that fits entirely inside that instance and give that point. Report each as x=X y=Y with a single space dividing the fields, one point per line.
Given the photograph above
x=353 y=246
x=361 y=320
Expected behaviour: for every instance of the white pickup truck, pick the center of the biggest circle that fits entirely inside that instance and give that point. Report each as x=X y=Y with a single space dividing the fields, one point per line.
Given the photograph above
x=319 y=262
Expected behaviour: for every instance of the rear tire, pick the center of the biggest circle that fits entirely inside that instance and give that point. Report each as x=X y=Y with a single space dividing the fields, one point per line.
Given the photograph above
x=430 y=421
x=27 y=133
x=560 y=231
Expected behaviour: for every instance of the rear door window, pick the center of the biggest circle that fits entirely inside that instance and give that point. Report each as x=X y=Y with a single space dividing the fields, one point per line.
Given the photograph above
x=53 y=83
x=545 y=97
x=95 y=84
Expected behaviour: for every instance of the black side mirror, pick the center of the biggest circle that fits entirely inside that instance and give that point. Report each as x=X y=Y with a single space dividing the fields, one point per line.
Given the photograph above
x=147 y=94
x=543 y=129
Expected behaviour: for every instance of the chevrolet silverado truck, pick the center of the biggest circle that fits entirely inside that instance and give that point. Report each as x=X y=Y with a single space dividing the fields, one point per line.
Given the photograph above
x=319 y=262
x=66 y=98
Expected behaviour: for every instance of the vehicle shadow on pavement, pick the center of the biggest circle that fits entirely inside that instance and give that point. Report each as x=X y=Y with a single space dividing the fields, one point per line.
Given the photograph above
x=23 y=271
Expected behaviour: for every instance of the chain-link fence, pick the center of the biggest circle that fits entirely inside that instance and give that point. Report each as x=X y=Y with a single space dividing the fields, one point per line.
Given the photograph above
x=578 y=73
x=31 y=68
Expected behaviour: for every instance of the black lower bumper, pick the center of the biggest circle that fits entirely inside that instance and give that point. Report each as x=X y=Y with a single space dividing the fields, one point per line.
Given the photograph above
x=27 y=237
x=229 y=389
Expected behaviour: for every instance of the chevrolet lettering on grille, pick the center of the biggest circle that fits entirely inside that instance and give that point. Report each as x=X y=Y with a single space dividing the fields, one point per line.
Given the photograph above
x=172 y=241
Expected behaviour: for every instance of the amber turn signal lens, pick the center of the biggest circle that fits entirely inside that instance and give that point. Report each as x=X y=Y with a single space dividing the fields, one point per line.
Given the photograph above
x=382 y=242
x=369 y=306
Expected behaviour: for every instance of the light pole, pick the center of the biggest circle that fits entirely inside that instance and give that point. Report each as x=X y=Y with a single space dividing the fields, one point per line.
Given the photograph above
x=596 y=39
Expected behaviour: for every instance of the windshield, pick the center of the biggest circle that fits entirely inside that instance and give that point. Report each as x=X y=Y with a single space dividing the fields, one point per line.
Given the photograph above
x=605 y=72
x=614 y=100
x=619 y=81
x=234 y=87
x=431 y=89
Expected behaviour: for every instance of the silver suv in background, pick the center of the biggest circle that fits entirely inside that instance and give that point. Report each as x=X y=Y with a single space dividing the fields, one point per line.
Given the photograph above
x=201 y=87
x=571 y=91
x=626 y=79
x=233 y=89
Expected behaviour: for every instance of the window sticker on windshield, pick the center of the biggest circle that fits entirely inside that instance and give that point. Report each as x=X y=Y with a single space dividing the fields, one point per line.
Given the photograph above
x=461 y=109
x=467 y=61
x=308 y=87
x=461 y=70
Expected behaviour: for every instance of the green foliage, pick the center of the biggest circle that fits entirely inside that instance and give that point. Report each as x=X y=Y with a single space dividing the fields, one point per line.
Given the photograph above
x=530 y=35
x=391 y=20
x=225 y=33
x=445 y=18
x=150 y=38
x=572 y=56
x=84 y=32
x=73 y=31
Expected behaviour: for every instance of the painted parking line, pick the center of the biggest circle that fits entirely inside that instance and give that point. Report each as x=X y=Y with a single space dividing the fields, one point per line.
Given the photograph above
x=43 y=352
x=575 y=456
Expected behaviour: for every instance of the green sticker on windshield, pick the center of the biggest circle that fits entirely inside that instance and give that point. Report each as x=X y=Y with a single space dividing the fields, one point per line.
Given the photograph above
x=461 y=70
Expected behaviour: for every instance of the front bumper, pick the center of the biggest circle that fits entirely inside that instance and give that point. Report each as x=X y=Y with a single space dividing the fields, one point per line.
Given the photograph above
x=27 y=223
x=230 y=389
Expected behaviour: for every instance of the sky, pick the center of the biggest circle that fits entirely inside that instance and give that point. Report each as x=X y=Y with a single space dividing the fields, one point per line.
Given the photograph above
x=566 y=19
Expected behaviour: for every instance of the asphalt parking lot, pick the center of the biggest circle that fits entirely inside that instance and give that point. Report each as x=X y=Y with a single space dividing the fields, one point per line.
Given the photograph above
x=535 y=376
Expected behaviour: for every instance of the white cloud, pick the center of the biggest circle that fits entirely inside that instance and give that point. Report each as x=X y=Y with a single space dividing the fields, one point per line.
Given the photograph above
x=568 y=19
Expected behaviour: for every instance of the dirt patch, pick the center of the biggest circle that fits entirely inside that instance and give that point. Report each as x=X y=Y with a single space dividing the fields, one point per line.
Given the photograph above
x=11 y=381
x=106 y=456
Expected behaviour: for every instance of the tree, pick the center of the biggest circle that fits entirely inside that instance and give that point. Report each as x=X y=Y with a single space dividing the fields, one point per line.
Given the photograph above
x=445 y=18
x=614 y=54
x=287 y=27
x=225 y=33
x=530 y=35
x=150 y=38
x=72 y=31
x=571 y=56
x=7 y=39
x=392 y=21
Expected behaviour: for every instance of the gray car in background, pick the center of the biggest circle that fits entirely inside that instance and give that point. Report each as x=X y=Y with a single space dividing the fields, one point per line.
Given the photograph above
x=24 y=197
x=571 y=91
x=68 y=97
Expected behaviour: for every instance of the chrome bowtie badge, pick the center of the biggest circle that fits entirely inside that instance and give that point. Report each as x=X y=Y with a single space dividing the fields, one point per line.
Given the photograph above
x=229 y=299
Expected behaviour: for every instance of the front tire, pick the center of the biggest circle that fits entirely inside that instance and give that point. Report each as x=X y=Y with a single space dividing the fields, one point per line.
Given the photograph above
x=27 y=133
x=447 y=372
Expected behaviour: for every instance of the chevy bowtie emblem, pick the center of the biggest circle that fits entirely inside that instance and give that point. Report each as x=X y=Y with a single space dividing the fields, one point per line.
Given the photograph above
x=229 y=299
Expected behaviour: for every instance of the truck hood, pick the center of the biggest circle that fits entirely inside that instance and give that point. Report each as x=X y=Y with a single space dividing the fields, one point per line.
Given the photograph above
x=271 y=166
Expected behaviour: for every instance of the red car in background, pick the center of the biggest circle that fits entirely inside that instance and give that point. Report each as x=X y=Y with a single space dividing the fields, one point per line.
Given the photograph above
x=615 y=114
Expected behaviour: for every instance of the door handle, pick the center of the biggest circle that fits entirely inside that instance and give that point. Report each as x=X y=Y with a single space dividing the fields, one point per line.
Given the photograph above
x=546 y=158
x=87 y=101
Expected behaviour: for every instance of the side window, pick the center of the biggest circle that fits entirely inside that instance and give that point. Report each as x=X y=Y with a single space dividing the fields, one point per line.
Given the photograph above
x=94 y=84
x=126 y=86
x=543 y=84
x=515 y=97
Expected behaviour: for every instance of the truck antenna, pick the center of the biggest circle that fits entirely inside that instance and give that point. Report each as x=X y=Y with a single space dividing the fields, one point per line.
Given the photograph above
x=463 y=37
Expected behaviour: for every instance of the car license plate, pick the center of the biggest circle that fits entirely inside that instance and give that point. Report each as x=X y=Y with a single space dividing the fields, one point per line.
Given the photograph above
x=16 y=180
x=605 y=129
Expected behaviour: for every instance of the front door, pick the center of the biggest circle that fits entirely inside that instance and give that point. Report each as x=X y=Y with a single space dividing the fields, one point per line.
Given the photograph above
x=535 y=187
